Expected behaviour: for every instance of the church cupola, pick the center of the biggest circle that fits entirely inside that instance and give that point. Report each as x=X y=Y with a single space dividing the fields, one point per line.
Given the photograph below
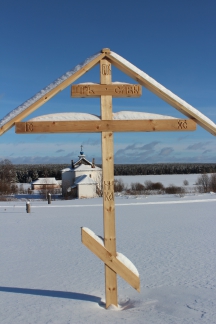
x=81 y=153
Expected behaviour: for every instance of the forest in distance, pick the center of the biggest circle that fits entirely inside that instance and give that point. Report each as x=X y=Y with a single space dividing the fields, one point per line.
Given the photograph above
x=26 y=173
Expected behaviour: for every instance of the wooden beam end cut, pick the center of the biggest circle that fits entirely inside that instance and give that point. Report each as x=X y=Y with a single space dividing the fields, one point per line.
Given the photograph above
x=105 y=50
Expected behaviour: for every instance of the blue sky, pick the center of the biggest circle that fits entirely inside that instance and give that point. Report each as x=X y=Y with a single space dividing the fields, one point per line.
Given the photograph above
x=172 y=41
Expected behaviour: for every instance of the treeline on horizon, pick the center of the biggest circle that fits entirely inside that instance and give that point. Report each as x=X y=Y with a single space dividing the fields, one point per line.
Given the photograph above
x=26 y=173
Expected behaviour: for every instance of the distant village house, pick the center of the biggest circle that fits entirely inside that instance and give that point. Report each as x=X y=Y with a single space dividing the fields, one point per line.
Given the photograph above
x=45 y=184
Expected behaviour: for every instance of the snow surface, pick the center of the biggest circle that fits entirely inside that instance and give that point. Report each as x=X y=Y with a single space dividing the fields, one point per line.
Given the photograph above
x=48 y=276
x=121 y=115
x=85 y=167
x=65 y=116
x=84 y=180
x=165 y=179
x=45 y=181
x=195 y=113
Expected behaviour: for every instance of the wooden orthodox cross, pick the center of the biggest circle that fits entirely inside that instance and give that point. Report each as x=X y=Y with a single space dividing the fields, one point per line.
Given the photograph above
x=106 y=125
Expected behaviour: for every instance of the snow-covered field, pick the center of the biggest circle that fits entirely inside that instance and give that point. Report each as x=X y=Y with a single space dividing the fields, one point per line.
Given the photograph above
x=48 y=276
x=165 y=179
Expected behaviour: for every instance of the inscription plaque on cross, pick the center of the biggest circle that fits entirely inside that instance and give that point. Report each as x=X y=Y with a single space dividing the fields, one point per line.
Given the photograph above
x=106 y=126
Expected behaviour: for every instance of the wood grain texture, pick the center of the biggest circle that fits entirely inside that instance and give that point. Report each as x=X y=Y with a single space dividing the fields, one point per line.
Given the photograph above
x=95 y=126
x=110 y=260
x=114 y=90
x=108 y=186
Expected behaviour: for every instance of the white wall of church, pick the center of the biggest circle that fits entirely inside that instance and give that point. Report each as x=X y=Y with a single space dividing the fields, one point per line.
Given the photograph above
x=86 y=191
x=98 y=178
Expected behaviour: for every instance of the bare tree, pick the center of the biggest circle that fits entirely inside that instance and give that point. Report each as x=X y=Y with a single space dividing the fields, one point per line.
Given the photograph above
x=203 y=182
x=185 y=182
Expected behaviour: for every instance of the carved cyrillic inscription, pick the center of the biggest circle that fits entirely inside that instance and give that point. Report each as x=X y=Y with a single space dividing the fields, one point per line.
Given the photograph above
x=128 y=89
x=182 y=124
x=115 y=90
x=106 y=69
x=108 y=185
x=108 y=190
x=29 y=127
x=109 y=195
x=82 y=91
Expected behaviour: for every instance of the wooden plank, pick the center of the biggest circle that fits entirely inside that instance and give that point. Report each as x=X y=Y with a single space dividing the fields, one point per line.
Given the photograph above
x=110 y=260
x=114 y=90
x=108 y=186
x=95 y=126
x=105 y=50
x=51 y=93
x=163 y=95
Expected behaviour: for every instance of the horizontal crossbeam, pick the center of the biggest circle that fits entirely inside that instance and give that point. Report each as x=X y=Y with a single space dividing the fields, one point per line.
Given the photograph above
x=117 y=90
x=110 y=260
x=96 y=126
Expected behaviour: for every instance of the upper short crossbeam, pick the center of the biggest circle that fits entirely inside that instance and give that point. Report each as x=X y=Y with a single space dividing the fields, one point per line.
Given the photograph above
x=117 y=90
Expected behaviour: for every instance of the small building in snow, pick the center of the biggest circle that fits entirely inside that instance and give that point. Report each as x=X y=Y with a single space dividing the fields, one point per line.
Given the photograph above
x=82 y=179
x=45 y=184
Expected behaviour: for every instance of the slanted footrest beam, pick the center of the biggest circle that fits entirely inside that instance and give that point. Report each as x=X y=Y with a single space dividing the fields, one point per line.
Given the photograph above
x=110 y=260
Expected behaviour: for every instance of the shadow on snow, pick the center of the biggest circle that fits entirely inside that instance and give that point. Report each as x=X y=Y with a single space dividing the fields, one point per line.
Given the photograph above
x=52 y=293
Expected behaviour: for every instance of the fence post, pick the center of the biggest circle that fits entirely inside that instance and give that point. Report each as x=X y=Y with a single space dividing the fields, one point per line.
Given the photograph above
x=28 y=207
x=49 y=198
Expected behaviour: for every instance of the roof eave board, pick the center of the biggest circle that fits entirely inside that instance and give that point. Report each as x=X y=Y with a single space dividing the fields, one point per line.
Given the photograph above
x=47 y=93
x=165 y=94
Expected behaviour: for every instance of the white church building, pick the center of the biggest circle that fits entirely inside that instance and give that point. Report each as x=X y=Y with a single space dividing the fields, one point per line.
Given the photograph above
x=82 y=179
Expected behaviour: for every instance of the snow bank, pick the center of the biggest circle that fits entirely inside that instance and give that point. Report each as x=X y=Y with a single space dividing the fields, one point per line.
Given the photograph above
x=125 y=115
x=66 y=117
x=121 y=115
x=123 y=259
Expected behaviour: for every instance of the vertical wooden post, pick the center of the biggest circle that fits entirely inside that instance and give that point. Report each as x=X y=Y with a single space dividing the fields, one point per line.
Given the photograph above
x=28 y=207
x=49 y=198
x=108 y=186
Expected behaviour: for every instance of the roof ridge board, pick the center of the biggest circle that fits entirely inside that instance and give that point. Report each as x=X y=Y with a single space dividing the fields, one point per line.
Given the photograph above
x=48 y=92
x=82 y=158
x=162 y=92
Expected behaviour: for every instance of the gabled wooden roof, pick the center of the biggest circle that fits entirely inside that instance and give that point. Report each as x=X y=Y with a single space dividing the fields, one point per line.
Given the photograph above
x=82 y=160
x=141 y=77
